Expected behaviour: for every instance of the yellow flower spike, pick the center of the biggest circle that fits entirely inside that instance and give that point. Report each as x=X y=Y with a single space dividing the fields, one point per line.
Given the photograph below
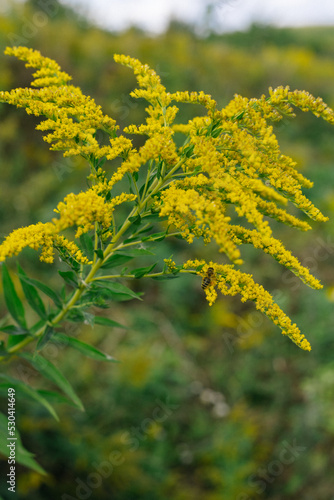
x=147 y=78
x=33 y=236
x=232 y=282
x=85 y=209
x=230 y=159
x=72 y=117
x=72 y=249
x=82 y=210
x=49 y=72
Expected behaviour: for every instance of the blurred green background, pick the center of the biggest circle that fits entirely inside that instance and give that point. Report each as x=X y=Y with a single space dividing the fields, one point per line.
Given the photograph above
x=206 y=402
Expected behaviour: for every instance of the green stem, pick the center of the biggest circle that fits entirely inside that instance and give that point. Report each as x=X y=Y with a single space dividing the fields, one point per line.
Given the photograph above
x=150 y=275
x=154 y=188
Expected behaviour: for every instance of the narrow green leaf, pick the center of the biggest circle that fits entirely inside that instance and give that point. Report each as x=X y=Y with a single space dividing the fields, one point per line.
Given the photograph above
x=155 y=217
x=38 y=325
x=136 y=220
x=46 y=336
x=188 y=151
x=15 y=339
x=14 y=304
x=85 y=348
x=116 y=260
x=159 y=169
x=28 y=461
x=87 y=245
x=143 y=231
x=55 y=397
x=177 y=269
x=31 y=294
x=29 y=391
x=75 y=315
x=69 y=277
x=115 y=296
x=14 y=330
x=80 y=316
x=155 y=237
x=113 y=286
x=48 y=370
x=135 y=252
x=45 y=289
x=141 y=271
x=99 y=253
x=215 y=133
x=100 y=320
x=22 y=456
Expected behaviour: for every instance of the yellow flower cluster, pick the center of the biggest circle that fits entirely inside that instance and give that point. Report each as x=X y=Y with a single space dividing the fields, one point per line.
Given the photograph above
x=232 y=282
x=236 y=162
x=36 y=236
x=151 y=89
x=276 y=249
x=82 y=210
x=72 y=116
x=229 y=168
x=49 y=72
x=171 y=266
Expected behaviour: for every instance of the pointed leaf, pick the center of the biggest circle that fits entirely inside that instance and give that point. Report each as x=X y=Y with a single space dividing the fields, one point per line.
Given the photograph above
x=99 y=253
x=22 y=456
x=31 y=294
x=87 y=245
x=55 y=397
x=116 y=260
x=69 y=277
x=136 y=220
x=45 y=289
x=14 y=330
x=115 y=287
x=85 y=348
x=45 y=337
x=155 y=217
x=136 y=252
x=15 y=339
x=155 y=237
x=14 y=304
x=48 y=370
x=29 y=391
x=140 y=272
x=37 y=326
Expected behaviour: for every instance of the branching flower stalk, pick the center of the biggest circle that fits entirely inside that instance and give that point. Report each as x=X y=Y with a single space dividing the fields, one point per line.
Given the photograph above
x=190 y=180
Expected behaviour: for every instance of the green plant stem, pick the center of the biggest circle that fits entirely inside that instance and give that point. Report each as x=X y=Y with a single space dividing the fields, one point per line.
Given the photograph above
x=157 y=185
x=151 y=275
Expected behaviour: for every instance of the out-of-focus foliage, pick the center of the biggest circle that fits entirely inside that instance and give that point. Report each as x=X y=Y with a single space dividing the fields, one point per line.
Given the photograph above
x=233 y=405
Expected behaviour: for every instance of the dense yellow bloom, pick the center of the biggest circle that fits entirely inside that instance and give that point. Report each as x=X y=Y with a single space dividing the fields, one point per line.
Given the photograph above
x=85 y=209
x=34 y=236
x=73 y=117
x=39 y=236
x=232 y=282
x=151 y=87
x=82 y=210
x=229 y=170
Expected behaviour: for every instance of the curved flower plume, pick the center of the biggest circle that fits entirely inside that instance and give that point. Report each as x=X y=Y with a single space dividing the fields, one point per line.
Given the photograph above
x=223 y=184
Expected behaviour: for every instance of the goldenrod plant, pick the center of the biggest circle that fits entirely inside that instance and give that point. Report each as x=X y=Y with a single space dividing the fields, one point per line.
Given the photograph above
x=190 y=181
